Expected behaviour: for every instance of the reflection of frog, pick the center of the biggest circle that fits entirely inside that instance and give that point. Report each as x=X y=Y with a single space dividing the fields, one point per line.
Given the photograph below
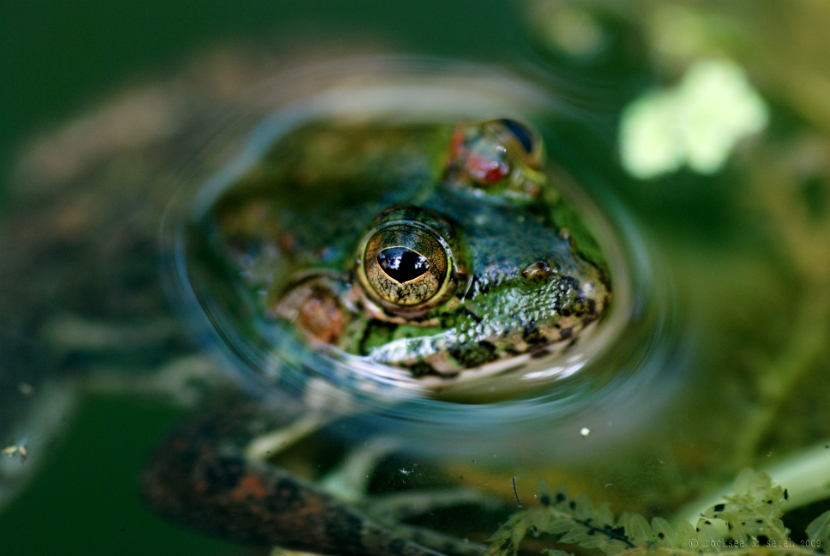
x=431 y=248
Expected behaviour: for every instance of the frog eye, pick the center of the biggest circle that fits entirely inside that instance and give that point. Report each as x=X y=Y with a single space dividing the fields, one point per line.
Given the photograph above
x=405 y=265
x=525 y=138
x=503 y=157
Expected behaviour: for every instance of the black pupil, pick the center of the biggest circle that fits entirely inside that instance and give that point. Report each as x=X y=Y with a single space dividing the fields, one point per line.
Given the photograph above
x=402 y=264
x=521 y=133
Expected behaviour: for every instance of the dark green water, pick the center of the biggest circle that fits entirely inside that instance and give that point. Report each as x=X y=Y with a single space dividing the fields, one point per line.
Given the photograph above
x=86 y=499
x=59 y=57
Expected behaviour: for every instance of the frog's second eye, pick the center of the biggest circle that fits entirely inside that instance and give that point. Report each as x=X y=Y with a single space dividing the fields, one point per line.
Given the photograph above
x=528 y=145
x=404 y=265
x=503 y=157
x=526 y=138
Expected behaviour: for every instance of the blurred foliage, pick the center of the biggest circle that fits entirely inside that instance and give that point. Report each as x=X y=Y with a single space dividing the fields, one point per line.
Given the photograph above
x=749 y=246
x=747 y=522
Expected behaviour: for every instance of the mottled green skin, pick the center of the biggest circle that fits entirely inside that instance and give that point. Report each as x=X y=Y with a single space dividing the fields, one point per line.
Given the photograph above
x=317 y=192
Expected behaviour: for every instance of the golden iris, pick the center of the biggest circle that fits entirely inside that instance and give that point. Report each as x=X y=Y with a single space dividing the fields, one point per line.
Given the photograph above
x=405 y=264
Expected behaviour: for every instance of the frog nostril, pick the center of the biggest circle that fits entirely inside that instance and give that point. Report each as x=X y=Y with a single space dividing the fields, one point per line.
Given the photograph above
x=538 y=270
x=402 y=264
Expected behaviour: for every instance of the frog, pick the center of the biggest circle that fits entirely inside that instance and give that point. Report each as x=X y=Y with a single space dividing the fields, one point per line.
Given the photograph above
x=432 y=248
x=459 y=181
x=451 y=260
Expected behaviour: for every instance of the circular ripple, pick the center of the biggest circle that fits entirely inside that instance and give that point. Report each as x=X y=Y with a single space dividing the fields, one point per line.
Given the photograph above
x=618 y=373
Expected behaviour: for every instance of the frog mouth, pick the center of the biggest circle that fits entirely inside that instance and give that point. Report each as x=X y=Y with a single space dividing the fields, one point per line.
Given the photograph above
x=493 y=337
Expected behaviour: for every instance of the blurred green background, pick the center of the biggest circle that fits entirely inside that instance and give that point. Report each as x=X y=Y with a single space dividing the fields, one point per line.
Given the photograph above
x=58 y=57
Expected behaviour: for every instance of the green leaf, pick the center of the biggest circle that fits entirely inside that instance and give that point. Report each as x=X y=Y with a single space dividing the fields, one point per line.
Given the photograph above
x=664 y=532
x=584 y=507
x=685 y=533
x=604 y=517
x=708 y=536
x=556 y=552
x=558 y=526
x=753 y=509
x=614 y=547
x=636 y=528
x=819 y=529
x=575 y=535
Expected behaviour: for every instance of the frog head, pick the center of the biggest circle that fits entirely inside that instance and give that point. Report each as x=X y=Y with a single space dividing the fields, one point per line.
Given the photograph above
x=434 y=248
x=477 y=273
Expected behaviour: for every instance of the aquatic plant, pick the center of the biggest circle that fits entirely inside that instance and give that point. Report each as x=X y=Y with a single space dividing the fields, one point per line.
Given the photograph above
x=747 y=522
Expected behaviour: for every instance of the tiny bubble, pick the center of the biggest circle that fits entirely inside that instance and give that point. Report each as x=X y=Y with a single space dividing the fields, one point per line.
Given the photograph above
x=25 y=388
x=584 y=431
